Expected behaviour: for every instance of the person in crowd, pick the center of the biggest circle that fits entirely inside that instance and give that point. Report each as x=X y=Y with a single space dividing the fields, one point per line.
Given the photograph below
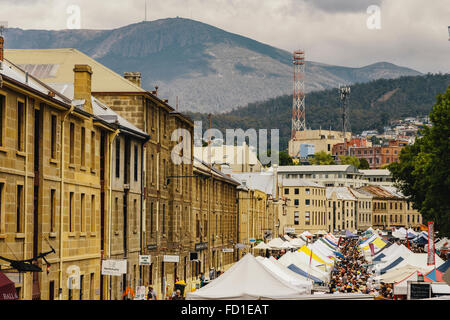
x=151 y=295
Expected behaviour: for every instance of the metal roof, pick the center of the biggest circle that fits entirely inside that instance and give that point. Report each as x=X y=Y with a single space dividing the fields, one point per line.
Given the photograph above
x=299 y=183
x=261 y=181
x=318 y=168
x=56 y=66
x=342 y=193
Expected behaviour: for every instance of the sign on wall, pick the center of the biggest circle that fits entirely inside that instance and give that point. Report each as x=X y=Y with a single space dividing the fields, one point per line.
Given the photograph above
x=289 y=230
x=171 y=258
x=114 y=267
x=227 y=250
x=145 y=260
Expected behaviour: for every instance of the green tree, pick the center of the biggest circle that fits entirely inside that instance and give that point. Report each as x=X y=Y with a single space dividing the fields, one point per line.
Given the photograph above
x=284 y=159
x=354 y=161
x=363 y=164
x=423 y=172
x=322 y=158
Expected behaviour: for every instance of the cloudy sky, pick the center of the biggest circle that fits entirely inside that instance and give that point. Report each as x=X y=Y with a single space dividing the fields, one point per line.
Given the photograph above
x=411 y=33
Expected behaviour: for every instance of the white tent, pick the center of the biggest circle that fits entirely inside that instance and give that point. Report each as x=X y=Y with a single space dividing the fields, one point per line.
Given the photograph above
x=320 y=233
x=287 y=237
x=297 y=242
x=401 y=287
x=302 y=261
x=307 y=234
x=286 y=274
x=247 y=279
x=261 y=245
x=275 y=243
x=397 y=274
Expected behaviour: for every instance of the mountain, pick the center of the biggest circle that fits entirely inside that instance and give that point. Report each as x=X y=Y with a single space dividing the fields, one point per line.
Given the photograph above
x=370 y=106
x=209 y=69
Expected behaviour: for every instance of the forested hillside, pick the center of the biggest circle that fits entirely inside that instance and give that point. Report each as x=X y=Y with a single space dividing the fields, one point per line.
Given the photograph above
x=371 y=106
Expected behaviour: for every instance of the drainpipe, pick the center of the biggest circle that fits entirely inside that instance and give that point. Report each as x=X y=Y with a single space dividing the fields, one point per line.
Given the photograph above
x=25 y=229
x=61 y=201
x=142 y=204
x=111 y=141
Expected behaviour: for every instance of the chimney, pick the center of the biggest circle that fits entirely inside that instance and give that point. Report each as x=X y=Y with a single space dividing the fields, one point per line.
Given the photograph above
x=82 y=85
x=134 y=77
x=2 y=48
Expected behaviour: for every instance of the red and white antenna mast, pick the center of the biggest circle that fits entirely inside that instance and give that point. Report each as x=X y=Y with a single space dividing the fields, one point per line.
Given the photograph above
x=298 y=105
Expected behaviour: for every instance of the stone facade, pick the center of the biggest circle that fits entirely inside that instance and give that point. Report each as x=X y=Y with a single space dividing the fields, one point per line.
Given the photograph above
x=304 y=206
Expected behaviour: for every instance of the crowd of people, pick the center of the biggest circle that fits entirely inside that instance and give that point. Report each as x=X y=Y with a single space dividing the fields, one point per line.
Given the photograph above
x=351 y=274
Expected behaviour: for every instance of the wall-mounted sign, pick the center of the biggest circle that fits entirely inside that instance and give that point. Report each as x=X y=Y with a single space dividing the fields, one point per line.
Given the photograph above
x=171 y=258
x=227 y=250
x=289 y=230
x=152 y=247
x=201 y=246
x=114 y=267
x=145 y=260
x=251 y=240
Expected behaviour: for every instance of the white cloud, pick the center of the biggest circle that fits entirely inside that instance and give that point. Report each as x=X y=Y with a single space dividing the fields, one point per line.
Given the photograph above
x=412 y=34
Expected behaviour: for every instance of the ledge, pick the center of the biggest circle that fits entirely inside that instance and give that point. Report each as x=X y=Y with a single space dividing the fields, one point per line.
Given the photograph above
x=71 y=165
x=83 y=234
x=53 y=161
x=72 y=234
x=93 y=171
x=116 y=233
x=52 y=234
x=83 y=168
x=20 y=236
x=93 y=234
x=21 y=153
x=3 y=149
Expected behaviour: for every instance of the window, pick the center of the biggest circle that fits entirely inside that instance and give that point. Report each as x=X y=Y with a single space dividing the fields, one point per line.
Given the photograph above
x=72 y=142
x=71 y=212
x=135 y=163
x=134 y=215
x=2 y=211
x=117 y=157
x=296 y=202
x=93 y=213
x=307 y=191
x=53 y=138
x=163 y=218
x=307 y=202
x=296 y=191
x=93 y=150
x=296 y=218
x=286 y=191
x=82 y=215
x=307 y=217
x=20 y=125
x=116 y=210
x=19 y=206
x=151 y=219
x=52 y=209
x=2 y=118
x=83 y=146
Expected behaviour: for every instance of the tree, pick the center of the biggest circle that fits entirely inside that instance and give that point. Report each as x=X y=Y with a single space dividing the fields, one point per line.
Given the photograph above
x=363 y=164
x=322 y=158
x=423 y=172
x=354 y=161
x=284 y=159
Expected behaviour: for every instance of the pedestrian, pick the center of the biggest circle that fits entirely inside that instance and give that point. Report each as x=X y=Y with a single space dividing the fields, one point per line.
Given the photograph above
x=177 y=295
x=151 y=295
